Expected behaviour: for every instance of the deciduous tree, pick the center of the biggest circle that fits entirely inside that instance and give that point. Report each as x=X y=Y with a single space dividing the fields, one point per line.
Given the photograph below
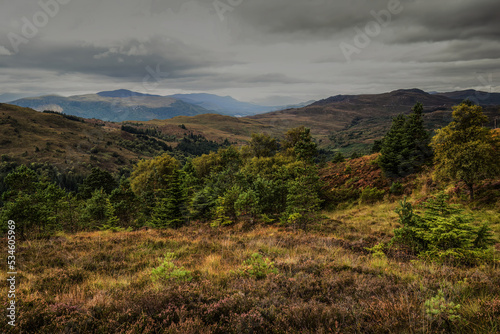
x=465 y=150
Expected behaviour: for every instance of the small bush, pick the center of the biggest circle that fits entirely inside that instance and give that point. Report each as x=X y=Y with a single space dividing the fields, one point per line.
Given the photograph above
x=442 y=233
x=338 y=157
x=168 y=270
x=396 y=188
x=258 y=267
x=442 y=312
x=371 y=195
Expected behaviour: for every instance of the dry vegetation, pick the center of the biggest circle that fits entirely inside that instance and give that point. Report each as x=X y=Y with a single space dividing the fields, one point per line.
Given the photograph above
x=27 y=136
x=324 y=280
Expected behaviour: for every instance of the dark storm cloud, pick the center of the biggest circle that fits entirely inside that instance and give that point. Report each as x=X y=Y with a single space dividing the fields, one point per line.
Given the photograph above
x=426 y=21
x=419 y=20
x=315 y=19
x=130 y=59
x=458 y=51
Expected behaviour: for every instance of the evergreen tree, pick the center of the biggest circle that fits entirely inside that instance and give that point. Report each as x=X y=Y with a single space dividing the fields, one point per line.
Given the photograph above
x=417 y=141
x=189 y=180
x=248 y=204
x=170 y=207
x=377 y=146
x=98 y=211
x=98 y=179
x=32 y=202
x=301 y=205
x=405 y=148
x=393 y=148
x=125 y=203
x=442 y=233
x=202 y=203
x=338 y=157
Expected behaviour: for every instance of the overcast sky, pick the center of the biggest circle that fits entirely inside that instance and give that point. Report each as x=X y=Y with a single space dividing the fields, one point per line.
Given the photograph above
x=264 y=51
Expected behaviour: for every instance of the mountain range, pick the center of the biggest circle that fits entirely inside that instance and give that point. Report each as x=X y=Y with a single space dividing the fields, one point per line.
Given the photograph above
x=344 y=123
x=122 y=105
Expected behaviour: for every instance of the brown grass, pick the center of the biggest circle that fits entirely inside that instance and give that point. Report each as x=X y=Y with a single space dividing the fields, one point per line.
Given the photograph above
x=326 y=282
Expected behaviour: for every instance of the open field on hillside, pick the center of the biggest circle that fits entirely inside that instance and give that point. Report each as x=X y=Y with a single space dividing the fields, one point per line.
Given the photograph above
x=317 y=281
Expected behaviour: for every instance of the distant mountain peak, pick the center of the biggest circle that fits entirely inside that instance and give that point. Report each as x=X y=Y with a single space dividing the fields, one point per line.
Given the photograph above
x=334 y=99
x=122 y=93
x=411 y=90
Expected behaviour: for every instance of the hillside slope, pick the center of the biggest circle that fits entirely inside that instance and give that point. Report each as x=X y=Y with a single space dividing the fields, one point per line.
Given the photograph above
x=66 y=142
x=482 y=98
x=352 y=122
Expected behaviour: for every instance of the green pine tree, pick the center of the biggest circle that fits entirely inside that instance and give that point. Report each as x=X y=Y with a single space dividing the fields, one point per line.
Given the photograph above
x=417 y=141
x=405 y=148
x=392 y=149
x=338 y=157
x=170 y=206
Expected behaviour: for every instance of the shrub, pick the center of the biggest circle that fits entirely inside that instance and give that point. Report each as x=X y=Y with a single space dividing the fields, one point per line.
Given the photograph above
x=396 y=188
x=442 y=233
x=98 y=211
x=338 y=157
x=258 y=267
x=442 y=312
x=168 y=270
x=371 y=195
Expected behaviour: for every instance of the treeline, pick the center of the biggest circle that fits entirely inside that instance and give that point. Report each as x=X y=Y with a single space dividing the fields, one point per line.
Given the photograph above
x=153 y=132
x=152 y=141
x=263 y=181
x=70 y=117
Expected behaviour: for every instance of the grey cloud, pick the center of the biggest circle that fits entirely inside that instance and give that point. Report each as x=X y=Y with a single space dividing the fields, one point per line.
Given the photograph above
x=263 y=48
x=419 y=21
x=316 y=17
x=128 y=59
x=272 y=78
x=459 y=51
x=449 y=20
